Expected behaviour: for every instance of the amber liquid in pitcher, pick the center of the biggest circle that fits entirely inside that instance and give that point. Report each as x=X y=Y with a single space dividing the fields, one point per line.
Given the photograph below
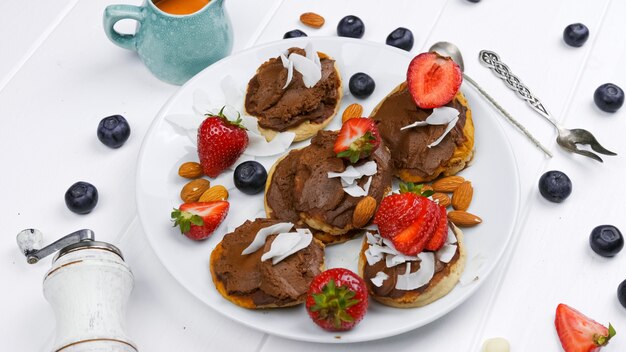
x=180 y=7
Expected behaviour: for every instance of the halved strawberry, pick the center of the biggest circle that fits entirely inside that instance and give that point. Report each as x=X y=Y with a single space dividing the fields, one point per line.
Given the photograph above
x=357 y=139
x=198 y=220
x=579 y=333
x=441 y=232
x=433 y=80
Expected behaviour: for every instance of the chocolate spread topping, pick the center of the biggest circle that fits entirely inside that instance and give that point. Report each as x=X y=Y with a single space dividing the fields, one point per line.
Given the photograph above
x=300 y=183
x=388 y=288
x=248 y=276
x=409 y=148
x=280 y=109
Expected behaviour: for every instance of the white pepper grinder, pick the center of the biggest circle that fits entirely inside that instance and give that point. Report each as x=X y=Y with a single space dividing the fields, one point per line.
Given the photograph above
x=88 y=287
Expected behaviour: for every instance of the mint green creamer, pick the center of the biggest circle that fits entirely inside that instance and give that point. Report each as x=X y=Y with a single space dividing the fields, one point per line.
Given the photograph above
x=173 y=47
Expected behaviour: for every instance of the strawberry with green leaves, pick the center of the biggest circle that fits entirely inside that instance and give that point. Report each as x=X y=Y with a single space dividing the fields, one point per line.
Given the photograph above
x=579 y=333
x=337 y=299
x=357 y=139
x=220 y=143
x=411 y=221
x=198 y=220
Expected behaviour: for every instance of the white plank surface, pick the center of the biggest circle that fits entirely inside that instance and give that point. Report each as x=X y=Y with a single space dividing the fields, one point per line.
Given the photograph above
x=61 y=75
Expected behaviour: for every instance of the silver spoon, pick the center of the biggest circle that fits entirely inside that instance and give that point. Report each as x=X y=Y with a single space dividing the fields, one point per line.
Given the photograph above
x=568 y=139
x=451 y=50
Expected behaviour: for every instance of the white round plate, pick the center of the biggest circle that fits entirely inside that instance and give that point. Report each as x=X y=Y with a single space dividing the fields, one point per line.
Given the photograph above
x=493 y=174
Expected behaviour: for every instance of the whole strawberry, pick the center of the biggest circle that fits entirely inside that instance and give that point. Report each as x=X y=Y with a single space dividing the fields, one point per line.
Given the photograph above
x=337 y=299
x=357 y=139
x=198 y=220
x=220 y=143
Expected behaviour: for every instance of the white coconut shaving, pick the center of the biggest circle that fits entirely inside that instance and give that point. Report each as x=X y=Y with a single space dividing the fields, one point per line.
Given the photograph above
x=286 y=244
x=440 y=116
x=411 y=281
x=259 y=239
x=309 y=66
x=379 y=278
x=352 y=174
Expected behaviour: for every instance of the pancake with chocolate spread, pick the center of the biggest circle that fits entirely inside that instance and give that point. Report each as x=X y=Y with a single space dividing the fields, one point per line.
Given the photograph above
x=446 y=276
x=412 y=159
x=299 y=190
x=248 y=282
x=295 y=108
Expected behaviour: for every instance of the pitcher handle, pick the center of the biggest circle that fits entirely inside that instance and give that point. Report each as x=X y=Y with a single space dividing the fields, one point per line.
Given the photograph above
x=115 y=13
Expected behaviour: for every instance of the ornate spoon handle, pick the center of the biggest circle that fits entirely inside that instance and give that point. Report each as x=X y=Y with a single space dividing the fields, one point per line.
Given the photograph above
x=492 y=61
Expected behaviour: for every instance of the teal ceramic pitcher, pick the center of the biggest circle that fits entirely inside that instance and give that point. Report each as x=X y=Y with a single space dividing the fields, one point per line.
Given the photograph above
x=173 y=47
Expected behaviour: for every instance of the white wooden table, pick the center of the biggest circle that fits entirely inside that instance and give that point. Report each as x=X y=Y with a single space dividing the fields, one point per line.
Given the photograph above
x=59 y=75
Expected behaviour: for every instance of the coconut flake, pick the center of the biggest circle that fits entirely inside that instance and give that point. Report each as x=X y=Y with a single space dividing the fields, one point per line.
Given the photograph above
x=446 y=253
x=449 y=128
x=259 y=239
x=312 y=55
x=451 y=239
x=309 y=66
x=379 y=278
x=258 y=146
x=398 y=258
x=372 y=239
x=411 y=281
x=286 y=244
x=372 y=258
x=353 y=173
x=232 y=93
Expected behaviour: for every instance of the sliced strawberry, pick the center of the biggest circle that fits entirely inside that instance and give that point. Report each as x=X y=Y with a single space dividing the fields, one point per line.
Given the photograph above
x=414 y=238
x=198 y=220
x=579 y=333
x=396 y=212
x=357 y=139
x=441 y=232
x=433 y=80
x=220 y=143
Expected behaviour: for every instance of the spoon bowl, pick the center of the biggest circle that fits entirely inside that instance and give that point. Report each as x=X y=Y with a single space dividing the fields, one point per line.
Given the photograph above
x=450 y=50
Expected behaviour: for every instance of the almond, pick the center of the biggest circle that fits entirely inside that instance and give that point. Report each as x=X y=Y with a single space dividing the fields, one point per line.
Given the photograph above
x=190 y=169
x=364 y=211
x=217 y=192
x=442 y=199
x=426 y=187
x=448 y=184
x=312 y=19
x=463 y=219
x=462 y=196
x=192 y=191
x=352 y=111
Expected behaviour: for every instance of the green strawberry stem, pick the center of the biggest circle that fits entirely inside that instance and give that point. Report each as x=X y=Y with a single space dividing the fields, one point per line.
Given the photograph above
x=410 y=187
x=332 y=303
x=185 y=219
x=238 y=122
x=360 y=147
x=601 y=340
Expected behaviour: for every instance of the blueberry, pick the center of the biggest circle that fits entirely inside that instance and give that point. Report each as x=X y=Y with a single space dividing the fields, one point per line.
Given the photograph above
x=606 y=240
x=296 y=33
x=113 y=131
x=474 y=1
x=361 y=85
x=576 y=34
x=350 y=26
x=401 y=38
x=621 y=293
x=250 y=177
x=555 y=186
x=81 y=197
x=609 y=97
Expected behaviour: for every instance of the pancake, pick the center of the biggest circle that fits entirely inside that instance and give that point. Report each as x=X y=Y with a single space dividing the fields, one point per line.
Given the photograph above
x=440 y=285
x=412 y=160
x=297 y=109
x=298 y=189
x=250 y=283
